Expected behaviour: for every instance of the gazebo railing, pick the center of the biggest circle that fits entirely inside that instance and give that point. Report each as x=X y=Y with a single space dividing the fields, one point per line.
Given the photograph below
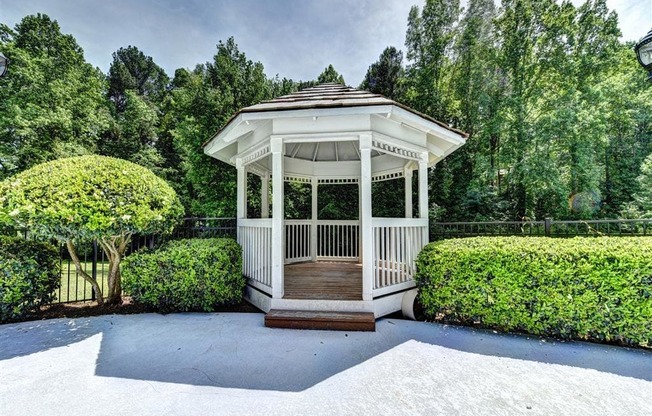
x=255 y=237
x=397 y=241
x=338 y=240
x=297 y=240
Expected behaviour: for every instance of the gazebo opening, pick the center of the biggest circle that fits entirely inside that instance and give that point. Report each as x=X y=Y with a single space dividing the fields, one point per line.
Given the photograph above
x=301 y=253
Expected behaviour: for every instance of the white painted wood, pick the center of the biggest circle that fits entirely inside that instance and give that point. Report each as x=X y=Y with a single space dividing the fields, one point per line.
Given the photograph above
x=241 y=193
x=323 y=305
x=366 y=232
x=264 y=196
x=255 y=238
x=278 y=231
x=258 y=298
x=298 y=237
x=381 y=138
x=397 y=241
x=407 y=175
x=387 y=304
x=254 y=142
x=399 y=287
x=423 y=193
x=338 y=240
x=253 y=154
x=313 y=215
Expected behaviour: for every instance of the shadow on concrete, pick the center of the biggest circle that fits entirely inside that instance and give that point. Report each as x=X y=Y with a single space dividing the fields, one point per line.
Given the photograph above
x=27 y=338
x=236 y=351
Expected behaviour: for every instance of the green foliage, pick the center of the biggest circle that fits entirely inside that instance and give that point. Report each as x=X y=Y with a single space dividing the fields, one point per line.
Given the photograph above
x=29 y=276
x=186 y=275
x=384 y=76
x=330 y=75
x=202 y=101
x=88 y=197
x=643 y=197
x=132 y=70
x=582 y=288
x=557 y=109
x=51 y=101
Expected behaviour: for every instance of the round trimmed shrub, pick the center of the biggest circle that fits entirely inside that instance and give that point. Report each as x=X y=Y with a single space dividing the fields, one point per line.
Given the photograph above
x=186 y=275
x=90 y=198
x=29 y=276
x=591 y=288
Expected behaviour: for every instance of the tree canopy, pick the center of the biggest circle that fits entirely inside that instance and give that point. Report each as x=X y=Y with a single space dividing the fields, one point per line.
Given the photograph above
x=556 y=107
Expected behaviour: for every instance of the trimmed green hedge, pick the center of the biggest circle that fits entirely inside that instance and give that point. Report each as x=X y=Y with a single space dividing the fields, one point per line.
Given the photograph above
x=596 y=289
x=186 y=275
x=29 y=276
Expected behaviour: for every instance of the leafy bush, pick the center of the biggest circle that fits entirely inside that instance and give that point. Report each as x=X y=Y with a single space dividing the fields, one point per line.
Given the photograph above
x=585 y=288
x=186 y=275
x=88 y=198
x=29 y=276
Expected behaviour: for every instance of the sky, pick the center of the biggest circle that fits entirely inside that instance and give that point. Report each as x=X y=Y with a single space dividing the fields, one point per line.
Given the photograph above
x=292 y=38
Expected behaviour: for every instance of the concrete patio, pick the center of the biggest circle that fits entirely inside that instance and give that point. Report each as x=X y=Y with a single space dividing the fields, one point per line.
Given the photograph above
x=186 y=364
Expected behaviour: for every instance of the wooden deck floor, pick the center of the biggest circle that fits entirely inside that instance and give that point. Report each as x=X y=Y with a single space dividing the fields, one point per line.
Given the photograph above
x=322 y=280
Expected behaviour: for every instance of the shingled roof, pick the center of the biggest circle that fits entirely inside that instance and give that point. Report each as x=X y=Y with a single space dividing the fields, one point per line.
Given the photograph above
x=332 y=95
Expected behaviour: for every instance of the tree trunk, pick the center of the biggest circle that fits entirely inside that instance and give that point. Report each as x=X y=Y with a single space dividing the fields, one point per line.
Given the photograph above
x=83 y=274
x=114 y=248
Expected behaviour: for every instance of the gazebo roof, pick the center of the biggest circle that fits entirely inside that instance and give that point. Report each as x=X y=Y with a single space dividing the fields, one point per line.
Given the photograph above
x=332 y=95
x=335 y=102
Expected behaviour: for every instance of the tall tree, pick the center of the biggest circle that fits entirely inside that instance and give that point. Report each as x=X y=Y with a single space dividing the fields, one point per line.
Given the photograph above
x=202 y=102
x=385 y=75
x=51 y=101
x=137 y=87
x=132 y=70
x=429 y=37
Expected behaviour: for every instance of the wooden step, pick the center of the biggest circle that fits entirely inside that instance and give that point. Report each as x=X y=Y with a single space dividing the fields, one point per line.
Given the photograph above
x=333 y=321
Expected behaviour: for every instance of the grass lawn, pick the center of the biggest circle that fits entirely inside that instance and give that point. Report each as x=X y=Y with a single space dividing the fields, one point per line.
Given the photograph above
x=74 y=287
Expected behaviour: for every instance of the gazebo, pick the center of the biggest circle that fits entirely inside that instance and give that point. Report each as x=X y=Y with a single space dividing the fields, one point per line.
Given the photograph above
x=331 y=134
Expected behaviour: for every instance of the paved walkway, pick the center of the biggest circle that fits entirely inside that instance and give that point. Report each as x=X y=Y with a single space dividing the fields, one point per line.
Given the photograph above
x=203 y=364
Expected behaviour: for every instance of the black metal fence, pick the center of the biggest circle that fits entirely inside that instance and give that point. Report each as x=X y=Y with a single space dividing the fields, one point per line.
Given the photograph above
x=547 y=227
x=75 y=289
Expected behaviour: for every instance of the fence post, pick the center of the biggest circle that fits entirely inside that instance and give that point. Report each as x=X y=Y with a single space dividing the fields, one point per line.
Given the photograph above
x=548 y=225
x=94 y=267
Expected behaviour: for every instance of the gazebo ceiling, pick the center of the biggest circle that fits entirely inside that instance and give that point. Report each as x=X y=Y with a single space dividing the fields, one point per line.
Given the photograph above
x=323 y=123
x=325 y=151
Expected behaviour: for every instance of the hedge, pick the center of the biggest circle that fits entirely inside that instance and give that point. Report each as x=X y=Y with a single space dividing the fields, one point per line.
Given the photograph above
x=186 y=275
x=588 y=288
x=29 y=276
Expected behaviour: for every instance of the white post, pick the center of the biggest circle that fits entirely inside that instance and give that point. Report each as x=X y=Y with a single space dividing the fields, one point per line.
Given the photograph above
x=423 y=192
x=264 y=196
x=278 y=244
x=366 y=231
x=241 y=204
x=313 y=224
x=407 y=174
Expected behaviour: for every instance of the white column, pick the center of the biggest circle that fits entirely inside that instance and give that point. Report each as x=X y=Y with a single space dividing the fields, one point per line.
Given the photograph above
x=241 y=204
x=366 y=231
x=407 y=174
x=264 y=196
x=423 y=192
x=278 y=237
x=313 y=224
